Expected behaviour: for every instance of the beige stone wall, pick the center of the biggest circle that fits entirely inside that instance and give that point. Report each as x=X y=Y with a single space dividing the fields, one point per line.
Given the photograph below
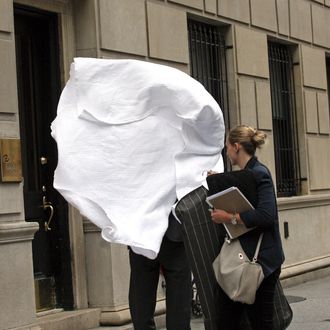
x=130 y=37
x=167 y=33
x=11 y=202
x=303 y=20
x=156 y=30
x=316 y=110
x=17 y=294
x=317 y=114
x=16 y=275
x=190 y=3
x=264 y=107
x=108 y=277
x=151 y=29
x=251 y=52
x=86 y=43
x=210 y=6
x=313 y=66
x=318 y=161
x=253 y=88
x=283 y=17
x=308 y=223
x=238 y=10
x=103 y=290
x=8 y=94
x=255 y=103
x=312 y=125
x=300 y=20
x=263 y=14
x=250 y=24
x=323 y=112
x=321 y=29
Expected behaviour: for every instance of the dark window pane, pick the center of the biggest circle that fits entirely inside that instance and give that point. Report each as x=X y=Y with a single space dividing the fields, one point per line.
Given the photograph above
x=207 y=52
x=328 y=76
x=284 y=121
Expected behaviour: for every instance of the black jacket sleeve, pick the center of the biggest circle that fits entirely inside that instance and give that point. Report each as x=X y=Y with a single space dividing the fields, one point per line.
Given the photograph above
x=265 y=213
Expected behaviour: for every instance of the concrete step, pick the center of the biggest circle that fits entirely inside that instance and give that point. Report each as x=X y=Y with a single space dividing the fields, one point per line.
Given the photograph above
x=159 y=320
x=197 y=323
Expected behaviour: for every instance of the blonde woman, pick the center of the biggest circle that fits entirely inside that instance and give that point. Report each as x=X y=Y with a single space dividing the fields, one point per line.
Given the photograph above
x=242 y=142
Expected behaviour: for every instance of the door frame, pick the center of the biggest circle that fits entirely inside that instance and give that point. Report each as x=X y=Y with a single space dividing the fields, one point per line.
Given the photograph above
x=67 y=52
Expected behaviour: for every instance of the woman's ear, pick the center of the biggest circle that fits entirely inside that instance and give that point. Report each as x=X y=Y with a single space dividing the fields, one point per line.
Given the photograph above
x=236 y=146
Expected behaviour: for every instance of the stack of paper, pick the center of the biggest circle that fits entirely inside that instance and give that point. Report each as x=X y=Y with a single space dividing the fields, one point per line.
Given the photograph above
x=233 y=201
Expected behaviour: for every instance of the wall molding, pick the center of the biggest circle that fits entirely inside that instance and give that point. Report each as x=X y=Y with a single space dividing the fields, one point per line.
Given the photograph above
x=123 y=316
x=17 y=231
x=301 y=202
x=305 y=266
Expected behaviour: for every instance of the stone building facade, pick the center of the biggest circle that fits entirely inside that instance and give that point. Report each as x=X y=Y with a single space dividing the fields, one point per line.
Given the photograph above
x=275 y=69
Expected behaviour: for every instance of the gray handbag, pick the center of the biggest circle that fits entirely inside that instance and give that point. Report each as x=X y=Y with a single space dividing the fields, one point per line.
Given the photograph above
x=238 y=276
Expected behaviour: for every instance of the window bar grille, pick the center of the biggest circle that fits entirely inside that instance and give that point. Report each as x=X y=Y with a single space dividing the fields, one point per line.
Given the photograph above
x=208 y=61
x=207 y=52
x=328 y=76
x=284 y=120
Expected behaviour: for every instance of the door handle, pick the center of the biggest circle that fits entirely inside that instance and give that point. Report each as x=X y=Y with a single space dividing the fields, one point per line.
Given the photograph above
x=48 y=205
x=43 y=160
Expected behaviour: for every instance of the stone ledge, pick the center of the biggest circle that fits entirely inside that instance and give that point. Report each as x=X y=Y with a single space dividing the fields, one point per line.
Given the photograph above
x=123 y=316
x=17 y=231
x=305 y=277
x=305 y=266
x=89 y=227
x=300 y=202
x=68 y=320
x=160 y=321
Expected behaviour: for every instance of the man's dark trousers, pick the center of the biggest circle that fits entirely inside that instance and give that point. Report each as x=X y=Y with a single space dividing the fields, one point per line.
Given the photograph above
x=144 y=281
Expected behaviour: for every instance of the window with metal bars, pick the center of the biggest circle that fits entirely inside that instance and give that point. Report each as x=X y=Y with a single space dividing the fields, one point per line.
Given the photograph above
x=207 y=50
x=328 y=76
x=284 y=120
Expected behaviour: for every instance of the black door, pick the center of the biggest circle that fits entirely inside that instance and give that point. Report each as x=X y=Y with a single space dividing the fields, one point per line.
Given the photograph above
x=38 y=81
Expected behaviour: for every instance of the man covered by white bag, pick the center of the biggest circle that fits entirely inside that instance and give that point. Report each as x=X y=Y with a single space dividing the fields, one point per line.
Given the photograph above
x=133 y=137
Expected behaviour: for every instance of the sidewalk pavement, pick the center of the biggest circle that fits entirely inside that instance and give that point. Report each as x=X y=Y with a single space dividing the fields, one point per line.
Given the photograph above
x=310 y=303
x=314 y=311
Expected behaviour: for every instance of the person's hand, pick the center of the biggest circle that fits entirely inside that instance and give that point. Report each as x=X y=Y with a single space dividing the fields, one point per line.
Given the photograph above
x=210 y=172
x=220 y=216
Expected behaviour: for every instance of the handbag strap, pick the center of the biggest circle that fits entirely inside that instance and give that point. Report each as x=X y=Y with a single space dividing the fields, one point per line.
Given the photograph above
x=255 y=257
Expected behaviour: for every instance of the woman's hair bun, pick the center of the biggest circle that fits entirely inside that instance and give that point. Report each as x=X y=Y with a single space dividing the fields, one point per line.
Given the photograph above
x=249 y=138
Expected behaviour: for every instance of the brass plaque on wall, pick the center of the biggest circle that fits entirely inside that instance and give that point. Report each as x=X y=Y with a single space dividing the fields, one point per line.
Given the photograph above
x=11 y=162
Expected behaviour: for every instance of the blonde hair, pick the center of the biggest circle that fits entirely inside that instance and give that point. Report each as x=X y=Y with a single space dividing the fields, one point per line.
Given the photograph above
x=249 y=138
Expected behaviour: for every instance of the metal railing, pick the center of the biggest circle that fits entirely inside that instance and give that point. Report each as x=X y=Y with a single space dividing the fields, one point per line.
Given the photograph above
x=284 y=120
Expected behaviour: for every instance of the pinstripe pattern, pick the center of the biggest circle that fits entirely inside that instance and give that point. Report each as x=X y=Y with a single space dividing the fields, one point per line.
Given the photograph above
x=203 y=240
